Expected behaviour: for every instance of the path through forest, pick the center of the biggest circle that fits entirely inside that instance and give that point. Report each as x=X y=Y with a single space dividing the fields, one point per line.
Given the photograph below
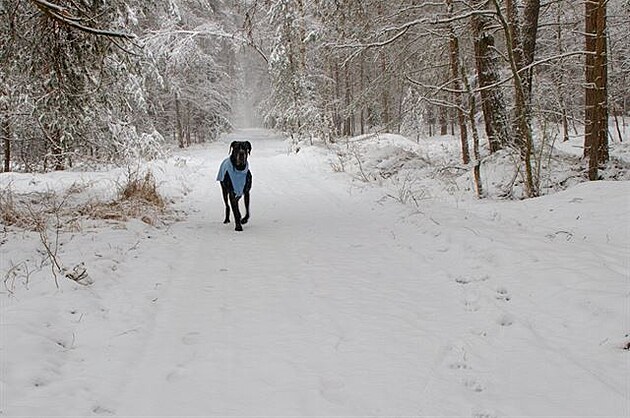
x=333 y=302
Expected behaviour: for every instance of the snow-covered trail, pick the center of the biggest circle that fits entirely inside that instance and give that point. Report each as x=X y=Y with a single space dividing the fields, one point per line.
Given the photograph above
x=335 y=303
x=313 y=309
x=335 y=300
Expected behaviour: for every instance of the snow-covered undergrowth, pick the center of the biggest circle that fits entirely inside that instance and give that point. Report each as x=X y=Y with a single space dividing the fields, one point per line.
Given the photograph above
x=432 y=168
x=369 y=282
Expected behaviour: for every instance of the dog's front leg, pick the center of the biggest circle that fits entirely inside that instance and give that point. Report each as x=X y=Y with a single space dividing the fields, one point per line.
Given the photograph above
x=246 y=218
x=236 y=212
x=248 y=187
x=226 y=192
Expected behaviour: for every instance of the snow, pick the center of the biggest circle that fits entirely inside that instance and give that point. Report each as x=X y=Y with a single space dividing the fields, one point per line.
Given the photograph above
x=381 y=293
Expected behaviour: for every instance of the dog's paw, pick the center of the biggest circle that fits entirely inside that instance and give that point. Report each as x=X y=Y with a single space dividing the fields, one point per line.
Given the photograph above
x=244 y=220
x=238 y=228
x=227 y=221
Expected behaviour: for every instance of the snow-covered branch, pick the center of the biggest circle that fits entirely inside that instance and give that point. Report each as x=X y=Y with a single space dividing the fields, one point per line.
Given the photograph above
x=500 y=82
x=64 y=16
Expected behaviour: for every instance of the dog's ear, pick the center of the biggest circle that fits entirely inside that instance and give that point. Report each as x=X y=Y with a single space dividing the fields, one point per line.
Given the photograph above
x=232 y=146
x=248 y=147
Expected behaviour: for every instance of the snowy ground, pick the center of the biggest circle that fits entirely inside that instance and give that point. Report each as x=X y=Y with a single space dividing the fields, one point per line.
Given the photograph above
x=342 y=297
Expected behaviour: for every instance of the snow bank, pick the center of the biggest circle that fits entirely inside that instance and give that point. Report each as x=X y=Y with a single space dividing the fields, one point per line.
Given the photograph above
x=432 y=167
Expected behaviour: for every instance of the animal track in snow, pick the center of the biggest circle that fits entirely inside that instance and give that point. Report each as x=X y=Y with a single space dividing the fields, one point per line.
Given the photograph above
x=474 y=385
x=505 y=320
x=484 y=414
x=191 y=338
x=464 y=280
x=503 y=294
x=333 y=390
x=177 y=374
x=459 y=365
x=471 y=299
x=99 y=410
x=38 y=383
x=471 y=305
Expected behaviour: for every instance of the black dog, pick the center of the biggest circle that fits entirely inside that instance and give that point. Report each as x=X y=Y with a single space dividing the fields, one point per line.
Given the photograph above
x=236 y=181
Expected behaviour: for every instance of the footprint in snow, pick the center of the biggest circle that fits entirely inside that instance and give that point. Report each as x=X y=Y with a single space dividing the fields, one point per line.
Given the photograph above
x=457 y=359
x=459 y=365
x=474 y=385
x=471 y=300
x=471 y=305
x=99 y=410
x=191 y=338
x=464 y=280
x=484 y=414
x=505 y=320
x=333 y=390
x=38 y=383
x=178 y=374
x=503 y=294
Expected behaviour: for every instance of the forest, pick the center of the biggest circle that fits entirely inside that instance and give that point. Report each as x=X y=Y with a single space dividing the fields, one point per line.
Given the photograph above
x=439 y=208
x=83 y=82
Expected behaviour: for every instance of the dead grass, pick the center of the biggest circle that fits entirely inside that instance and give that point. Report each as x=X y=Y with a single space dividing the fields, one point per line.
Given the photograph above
x=23 y=211
x=138 y=198
x=142 y=189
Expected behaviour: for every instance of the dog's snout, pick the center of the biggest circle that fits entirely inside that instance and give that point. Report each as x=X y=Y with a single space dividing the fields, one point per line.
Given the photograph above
x=240 y=157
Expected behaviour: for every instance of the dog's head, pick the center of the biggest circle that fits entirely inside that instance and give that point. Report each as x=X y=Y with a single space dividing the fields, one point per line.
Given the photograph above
x=239 y=151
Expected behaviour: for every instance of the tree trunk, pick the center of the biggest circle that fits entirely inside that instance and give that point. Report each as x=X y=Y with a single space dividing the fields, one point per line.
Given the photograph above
x=472 y=109
x=188 y=123
x=385 y=93
x=401 y=98
x=178 y=121
x=531 y=16
x=362 y=87
x=565 y=121
x=337 y=121
x=5 y=130
x=385 y=81
x=454 y=64
x=524 y=140
x=596 y=104
x=523 y=40
x=57 y=150
x=347 y=120
x=443 y=117
x=492 y=101
x=559 y=79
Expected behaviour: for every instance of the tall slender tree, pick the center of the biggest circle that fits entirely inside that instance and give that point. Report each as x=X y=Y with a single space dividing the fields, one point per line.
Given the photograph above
x=455 y=65
x=596 y=96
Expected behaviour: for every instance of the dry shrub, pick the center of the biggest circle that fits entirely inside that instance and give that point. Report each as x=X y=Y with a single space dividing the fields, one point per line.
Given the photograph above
x=8 y=212
x=25 y=212
x=143 y=189
x=138 y=197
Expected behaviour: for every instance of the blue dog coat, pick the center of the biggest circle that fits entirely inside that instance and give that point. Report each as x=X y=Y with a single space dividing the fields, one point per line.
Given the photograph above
x=238 y=177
